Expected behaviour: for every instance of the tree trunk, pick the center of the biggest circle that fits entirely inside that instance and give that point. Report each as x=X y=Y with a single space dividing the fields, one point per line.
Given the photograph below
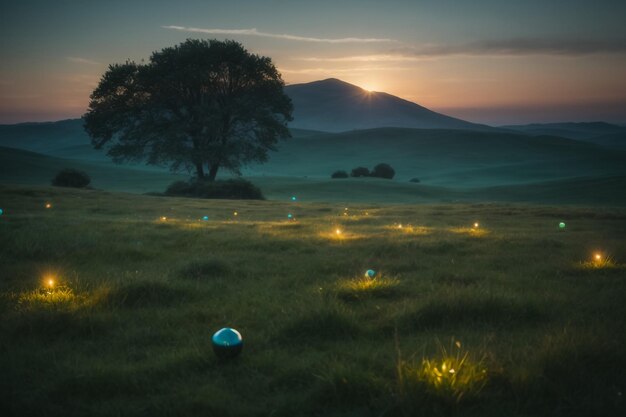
x=199 y=170
x=213 y=171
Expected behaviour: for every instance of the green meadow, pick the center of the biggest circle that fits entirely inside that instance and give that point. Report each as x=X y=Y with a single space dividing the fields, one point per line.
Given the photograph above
x=108 y=302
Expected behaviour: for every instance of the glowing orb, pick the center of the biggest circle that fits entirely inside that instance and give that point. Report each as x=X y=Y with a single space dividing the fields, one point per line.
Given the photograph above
x=337 y=232
x=293 y=198
x=476 y=225
x=370 y=273
x=227 y=343
x=205 y=218
x=49 y=282
x=48 y=205
x=1 y=212
x=597 y=256
x=163 y=218
x=561 y=225
x=399 y=226
x=290 y=216
x=235 y=214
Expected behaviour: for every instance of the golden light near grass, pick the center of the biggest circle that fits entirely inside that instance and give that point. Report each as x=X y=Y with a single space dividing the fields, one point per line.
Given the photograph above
x=49 y=282
x=599 y=260
x=476 y=225
x=452 y=374
x=163 y=218
x=471 y=231
x=48 y=205
x=379 y=286
x=235 y=214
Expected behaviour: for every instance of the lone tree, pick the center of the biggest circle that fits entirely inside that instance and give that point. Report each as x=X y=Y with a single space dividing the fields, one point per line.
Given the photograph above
x=201 y=105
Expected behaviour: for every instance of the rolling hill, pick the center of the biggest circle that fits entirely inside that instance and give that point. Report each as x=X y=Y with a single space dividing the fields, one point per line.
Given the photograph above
x=452 y=158
x=29 y=168
x=333 y=105
x=600 y=133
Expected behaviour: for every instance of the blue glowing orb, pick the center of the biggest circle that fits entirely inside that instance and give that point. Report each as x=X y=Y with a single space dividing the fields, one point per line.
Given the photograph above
x=205 y=218
x=562 y=225
x=370 y=273
x=1 y=212
x=290 y=216
x=227 y=343
x=293 y=198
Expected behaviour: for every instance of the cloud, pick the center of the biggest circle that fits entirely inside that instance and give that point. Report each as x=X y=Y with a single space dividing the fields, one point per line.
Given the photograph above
x=339 y=70
x=80 y=60
x=521 y=47
x=364 y=58
x=511 y=47
x=255 y=32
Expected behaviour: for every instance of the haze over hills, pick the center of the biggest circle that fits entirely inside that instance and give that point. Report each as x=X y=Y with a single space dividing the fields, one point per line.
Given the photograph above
x=600 y=133
x=449 y=160
x=333 y=105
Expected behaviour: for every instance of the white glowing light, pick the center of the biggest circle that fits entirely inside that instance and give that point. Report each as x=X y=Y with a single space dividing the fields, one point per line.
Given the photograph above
x=48 y=205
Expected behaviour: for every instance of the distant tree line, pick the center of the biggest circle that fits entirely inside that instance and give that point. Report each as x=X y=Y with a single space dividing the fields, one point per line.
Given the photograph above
x=379 y=171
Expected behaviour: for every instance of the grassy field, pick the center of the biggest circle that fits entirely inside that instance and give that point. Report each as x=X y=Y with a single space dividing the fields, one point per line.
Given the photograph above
x=514 y=317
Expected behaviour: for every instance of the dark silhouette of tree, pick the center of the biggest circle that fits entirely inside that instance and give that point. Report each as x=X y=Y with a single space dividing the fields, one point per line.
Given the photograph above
x=339 y=174
x=198 y=105
x=360 y=172
x=383 y=171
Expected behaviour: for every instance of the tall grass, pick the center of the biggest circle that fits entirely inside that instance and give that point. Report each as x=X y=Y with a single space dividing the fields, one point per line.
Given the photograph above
x=127 y=328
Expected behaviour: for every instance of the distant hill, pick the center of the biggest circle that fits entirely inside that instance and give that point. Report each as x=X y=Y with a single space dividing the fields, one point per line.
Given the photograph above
x=29 y=168
x=333 y=105
x=454 y=158
x=68 y=139
x=601 y=133
x=586 y=130
x=438 y=157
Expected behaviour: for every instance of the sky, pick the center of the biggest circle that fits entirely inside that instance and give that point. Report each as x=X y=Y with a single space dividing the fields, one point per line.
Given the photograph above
x=487 y=61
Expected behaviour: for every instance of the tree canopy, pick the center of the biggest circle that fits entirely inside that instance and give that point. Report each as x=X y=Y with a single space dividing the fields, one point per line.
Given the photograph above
x=201 y=105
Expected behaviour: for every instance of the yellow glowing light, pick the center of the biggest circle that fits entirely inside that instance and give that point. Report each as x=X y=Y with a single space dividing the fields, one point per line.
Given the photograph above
x=235 y=214
x=337 y=232
x=400 y=226
x=597 y=256
x=49 y=281
x=476 y=225
x=163 y=218
x=48 y=205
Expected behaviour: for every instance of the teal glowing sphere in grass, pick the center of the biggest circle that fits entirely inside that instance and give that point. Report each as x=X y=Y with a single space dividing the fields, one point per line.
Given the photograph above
x=561 y=225
x=1 y=212
x=293 y=198
x=227 y=343
x=370 y=273
x=290 y=216
x=205 y=218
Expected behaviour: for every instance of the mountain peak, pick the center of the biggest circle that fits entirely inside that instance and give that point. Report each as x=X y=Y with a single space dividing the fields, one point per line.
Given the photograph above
x=334 y=105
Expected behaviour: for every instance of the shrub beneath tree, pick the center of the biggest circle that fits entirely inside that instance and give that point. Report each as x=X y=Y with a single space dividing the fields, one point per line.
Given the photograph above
x=234 y=189
x=69 y=177
x=339 y=174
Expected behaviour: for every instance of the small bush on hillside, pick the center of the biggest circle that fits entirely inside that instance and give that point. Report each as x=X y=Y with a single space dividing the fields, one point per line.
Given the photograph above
x=360 y=172
x=235 y=189
x=339 y=174
x=69 y=177
x=383 y=171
